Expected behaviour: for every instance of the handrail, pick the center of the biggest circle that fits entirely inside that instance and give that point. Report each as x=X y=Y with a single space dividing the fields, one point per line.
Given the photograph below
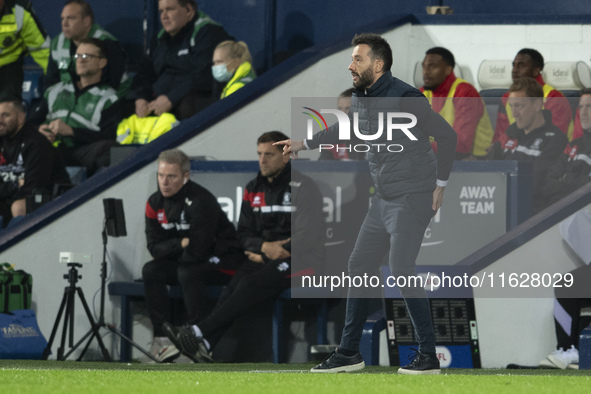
x=527 y=230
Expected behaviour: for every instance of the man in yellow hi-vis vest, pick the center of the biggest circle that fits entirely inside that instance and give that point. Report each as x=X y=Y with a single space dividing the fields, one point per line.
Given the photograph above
x=21 y=34
x=458 y=102
x=530 y=63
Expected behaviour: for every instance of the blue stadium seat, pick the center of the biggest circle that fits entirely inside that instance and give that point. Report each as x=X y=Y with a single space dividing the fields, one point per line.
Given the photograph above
x=32 y=86
x=77 y=174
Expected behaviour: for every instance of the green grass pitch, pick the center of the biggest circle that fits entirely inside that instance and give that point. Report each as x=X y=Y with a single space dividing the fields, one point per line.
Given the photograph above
x=98 y=377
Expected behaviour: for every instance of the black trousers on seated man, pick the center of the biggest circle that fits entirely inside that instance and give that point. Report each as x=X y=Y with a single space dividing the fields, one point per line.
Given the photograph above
x=192 y=277
x=567 y=307
x=11 y=79
x=252 y=284
x=92 y=156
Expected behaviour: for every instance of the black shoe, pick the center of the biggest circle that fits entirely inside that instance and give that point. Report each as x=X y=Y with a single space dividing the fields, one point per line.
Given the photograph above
x=188 y=343
x=422 y=364
x=337 y=362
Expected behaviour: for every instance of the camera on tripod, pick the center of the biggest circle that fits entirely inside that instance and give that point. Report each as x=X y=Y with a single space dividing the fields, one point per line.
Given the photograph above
x=72 y=275
x=114 y=226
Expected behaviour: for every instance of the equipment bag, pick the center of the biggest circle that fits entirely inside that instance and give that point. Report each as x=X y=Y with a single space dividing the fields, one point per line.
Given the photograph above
x=15 y=288
x=20 y=337
x=5 y=278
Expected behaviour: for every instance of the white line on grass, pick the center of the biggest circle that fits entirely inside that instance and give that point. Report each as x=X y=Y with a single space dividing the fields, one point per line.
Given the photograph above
x=281 y=371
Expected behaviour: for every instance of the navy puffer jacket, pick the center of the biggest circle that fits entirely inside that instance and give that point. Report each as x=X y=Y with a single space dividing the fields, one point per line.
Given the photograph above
x=398 y=165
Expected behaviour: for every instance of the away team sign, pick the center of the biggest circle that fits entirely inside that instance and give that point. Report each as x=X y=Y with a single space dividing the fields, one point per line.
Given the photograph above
x=322 y=114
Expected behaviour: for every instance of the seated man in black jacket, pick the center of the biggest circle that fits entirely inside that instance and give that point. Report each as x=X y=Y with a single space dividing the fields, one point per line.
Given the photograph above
x=570 y=172
x=193 y=244
x=573 y=169
x=28 y=162
x=177 y=78
x=276 y=196
x=532 y=138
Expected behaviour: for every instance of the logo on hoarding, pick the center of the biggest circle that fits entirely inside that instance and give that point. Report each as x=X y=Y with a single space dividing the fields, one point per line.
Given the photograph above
x=386 y=123
x=444 y=356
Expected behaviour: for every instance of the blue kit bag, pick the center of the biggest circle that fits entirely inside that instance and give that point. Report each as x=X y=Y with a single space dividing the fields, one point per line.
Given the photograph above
x=20 y=337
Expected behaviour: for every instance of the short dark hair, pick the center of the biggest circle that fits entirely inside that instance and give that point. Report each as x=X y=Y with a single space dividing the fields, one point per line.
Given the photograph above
x=380 y=49
x=100 y=44
x=184 y=3
x=585 y=91
x=536 y=57
x=16 y=102
x=347 y=93
x=272 y=136
x=445 y=54
x=530 y=86
x=85 y=8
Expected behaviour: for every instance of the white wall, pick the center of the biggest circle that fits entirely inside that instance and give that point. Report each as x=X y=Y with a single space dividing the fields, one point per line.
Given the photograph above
x=473 y=44
x=234 y=139
x=520 y=329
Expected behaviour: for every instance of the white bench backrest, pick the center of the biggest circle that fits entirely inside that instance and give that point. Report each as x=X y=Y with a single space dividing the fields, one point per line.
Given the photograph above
x=495 y=74
x=567 y=75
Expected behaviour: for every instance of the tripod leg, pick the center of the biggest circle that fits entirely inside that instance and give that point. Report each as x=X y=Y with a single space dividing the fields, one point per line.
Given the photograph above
x=55 y=325
x=78 y=344
x=95 y=327
x=67 y=320
x=71 y=314
x=141 y=349
x=87 y=345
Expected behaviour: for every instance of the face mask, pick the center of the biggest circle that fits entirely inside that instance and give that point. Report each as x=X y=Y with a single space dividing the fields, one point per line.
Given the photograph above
x=221 y=73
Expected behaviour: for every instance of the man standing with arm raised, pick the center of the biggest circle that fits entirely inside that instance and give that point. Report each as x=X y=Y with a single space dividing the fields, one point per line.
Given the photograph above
x=409 y=190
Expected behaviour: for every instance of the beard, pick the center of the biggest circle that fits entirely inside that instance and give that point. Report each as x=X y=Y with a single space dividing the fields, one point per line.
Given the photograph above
x=270 y=172
x=365 y=79
x=8 y=130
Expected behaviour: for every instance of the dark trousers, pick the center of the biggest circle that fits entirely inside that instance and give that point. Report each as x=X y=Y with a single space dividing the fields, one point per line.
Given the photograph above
x=395 y=227
x=92 y=156
x=5 y=211
x=192 y=277
x=11 y=80
x=567 y=307
x=253 y=284
x=191 y=104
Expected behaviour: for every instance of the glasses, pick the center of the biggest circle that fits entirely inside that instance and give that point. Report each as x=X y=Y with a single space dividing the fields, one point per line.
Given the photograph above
x=85 y=56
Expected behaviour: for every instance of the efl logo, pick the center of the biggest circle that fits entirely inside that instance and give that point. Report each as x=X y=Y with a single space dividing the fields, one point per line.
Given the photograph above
x=444 y=356
x=345 y=129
